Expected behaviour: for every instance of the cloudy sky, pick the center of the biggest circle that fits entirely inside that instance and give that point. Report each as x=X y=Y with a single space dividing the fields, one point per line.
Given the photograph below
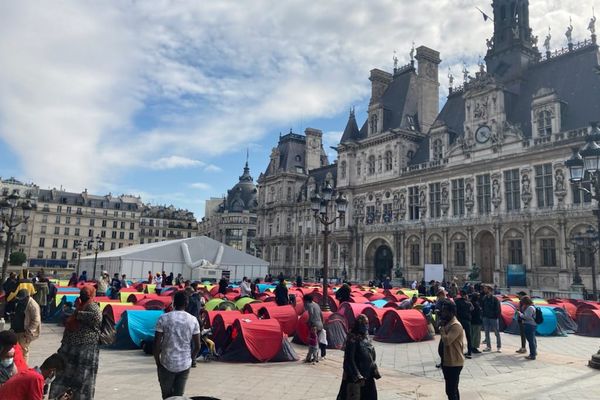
x=162 y=98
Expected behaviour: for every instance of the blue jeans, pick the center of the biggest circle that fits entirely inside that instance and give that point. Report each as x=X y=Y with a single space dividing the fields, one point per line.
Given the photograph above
x=530 y=335
x=490 y=324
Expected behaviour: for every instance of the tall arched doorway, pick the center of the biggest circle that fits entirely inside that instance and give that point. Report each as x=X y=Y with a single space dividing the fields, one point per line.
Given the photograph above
x=485 y=255
x=384 y=261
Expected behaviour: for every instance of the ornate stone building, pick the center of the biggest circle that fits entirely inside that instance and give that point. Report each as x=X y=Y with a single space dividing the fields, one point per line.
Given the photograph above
x=232 y=220
x=482 y=181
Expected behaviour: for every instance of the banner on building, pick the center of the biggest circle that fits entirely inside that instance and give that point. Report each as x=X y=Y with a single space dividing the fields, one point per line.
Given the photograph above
x=516 y=275
x=434 y=272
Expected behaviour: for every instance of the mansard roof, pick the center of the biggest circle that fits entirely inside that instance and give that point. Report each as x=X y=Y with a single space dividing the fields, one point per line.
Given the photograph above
x=351 y=132
x=400 y=100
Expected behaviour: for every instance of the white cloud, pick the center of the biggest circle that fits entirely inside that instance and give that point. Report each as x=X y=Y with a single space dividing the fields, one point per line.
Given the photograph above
x=212 y=168
x=214 y=76
x=200 y=185
x=175 y=162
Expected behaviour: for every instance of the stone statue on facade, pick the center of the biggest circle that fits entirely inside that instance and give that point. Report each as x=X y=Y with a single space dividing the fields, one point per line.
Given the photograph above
x=547 y=41
x=412 y=53
x=592 y=25
x=534 y=41
x=468 y=192
x=559 y=178
x=526 y=195
x=465 y=73
x=489 y=43
x=450 y=78
x=569 y=32
x=495 y=189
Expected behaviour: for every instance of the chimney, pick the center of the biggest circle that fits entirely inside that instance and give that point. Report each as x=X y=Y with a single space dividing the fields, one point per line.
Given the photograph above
x=380 y=80
x=428 y=86
x=314 y=147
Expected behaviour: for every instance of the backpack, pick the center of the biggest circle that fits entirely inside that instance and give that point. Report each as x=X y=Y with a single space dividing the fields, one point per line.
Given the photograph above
x=539 y=317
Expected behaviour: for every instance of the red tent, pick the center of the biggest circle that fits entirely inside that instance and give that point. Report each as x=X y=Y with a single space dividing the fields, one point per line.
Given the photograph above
x=135 y=297
x=357 y=298
x=569 y=307
x=152 y=304
x=588 y=322
x=352 y=310
x=209 y=317
x=286 y=315
x=253 y=341
x=222 y=321
x=128 y=289
x=586 y=305
x=375 y=316
x=253 y=308
x=337 y=329
x=333 y=303
x=113 y=311
x=402 y=326
x=508 y=312
x=105 y=299
x=374 y=296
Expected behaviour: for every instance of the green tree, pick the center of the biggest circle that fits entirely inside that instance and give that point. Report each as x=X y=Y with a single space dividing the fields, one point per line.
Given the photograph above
x=17 y=258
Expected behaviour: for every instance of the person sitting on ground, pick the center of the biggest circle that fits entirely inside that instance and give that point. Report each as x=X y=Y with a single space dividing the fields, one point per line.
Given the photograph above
x=29 y=384
x=407 y=304
x=73 y=281
x=281 y=293
x=299 y=281
x=343 y=293
x=387 y=283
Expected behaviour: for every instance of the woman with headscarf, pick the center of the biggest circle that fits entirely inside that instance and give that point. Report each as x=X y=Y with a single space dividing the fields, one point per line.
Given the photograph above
x=80 y=348
x=360 y=369
x=73 y=281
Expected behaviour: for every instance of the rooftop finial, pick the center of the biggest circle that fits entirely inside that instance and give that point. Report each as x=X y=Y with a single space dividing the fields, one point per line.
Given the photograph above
x=247 y=156
x=351 y=112
x=465 y=72
x=395 y=58
x=569 y=32
x=547 y=40
x=450 y=79
x=592 y=24
x=412 y=53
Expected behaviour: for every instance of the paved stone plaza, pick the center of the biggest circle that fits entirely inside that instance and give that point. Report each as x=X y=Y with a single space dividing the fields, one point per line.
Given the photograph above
x=408 y=370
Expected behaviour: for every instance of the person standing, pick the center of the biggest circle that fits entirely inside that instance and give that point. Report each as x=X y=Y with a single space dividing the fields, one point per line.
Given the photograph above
x=223 y=286
x=491 y=314
x=115 y=286
x=452 y=337
x=529 y=326
x=476 y=323
x=26 y=321
x=281 y=293
x=360 y=369
x=9 y=286
x=73 y=280
x=177 y=336
x=315 y=318
x=254 y=290
x=179 y=280
x=83 y=277
x=80 y=349
x=159 y=282
x=245 y=290
x=343 y=293
x=520 y=322
x=103 y=283
x=150 y=276
x=463 y=314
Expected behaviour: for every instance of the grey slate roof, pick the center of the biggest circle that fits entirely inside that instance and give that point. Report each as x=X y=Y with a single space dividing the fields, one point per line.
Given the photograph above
x=243 y=196
x=399 y=100
x=351 y=132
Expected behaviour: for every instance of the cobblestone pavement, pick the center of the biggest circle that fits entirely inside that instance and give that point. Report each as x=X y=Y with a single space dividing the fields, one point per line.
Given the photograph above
x=408 y=370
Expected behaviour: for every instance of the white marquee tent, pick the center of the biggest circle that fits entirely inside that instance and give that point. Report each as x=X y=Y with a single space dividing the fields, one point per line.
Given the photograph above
x=195 y=258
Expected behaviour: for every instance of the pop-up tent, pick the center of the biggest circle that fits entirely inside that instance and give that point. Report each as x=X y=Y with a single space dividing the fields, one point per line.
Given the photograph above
x=256 y=341
x=135 y=327
x=402 y=326
x=113 y=311
x=337 y=330
x=375 y=316
x=556 y=322
x=220 y=324
x=286 y=315
x=253 y=308
x=588 y=322
x=242 y=301
x=219 y=304
x=351 y=311
x=507 y=313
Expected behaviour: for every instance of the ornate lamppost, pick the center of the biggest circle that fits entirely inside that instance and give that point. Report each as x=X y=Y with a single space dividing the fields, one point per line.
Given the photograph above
x=320 y=207
x=14 y=211
x=80 y=245
x=344 y=254
x=584 y=168
x=96 y=245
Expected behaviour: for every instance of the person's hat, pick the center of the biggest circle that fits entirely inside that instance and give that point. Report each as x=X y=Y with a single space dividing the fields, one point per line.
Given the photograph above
x=22 y=294
x=522 y=293
x=105 y=272
x=441 y=290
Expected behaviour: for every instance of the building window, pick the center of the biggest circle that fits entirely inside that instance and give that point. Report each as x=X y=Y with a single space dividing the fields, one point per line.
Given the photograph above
x=584 y=257
x=92 y=222
x=90 y=232
x=42 y=242
x=436 y=253
x=44 y=219
x=113 y=245
x=65 y=244
x=132 y=225
x=512 y=190
x=22 y=239
x=415 y=254
x=103 y=234
x=40 y=254
x=460 y=258
x=413 y=203
x=370 y=215
x=379 y=164
x=544 y=123
x=458 y=197
x=122 y=224
x=515 y=251
x=410 y=154
x=115 y=224
x=67 y=231
x=358 y=166
x=74 y=255
x=548 y=247
x=131 y=235
x=543 y=185
x=374 y=121
x=582 y=196
x=78 y=221
x=104 y=223
x=484 y=203
x=43 y=229
x=343 y=170
x=435 y=196
x=68 y=210
x=76 y=231
x=58 y=209
x=53 y=255
x=54 y=243
x=388 y=160
x=438 y=150
x=57 y=230
x=371 y=165
x=58 y=219
x=121 y=235
x=387 y=213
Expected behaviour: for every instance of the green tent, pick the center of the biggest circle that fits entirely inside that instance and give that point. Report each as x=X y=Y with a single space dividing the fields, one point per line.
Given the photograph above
x=242 y=301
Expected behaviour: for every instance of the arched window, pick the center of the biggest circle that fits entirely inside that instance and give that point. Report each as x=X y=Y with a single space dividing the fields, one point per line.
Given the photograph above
x=343 y=169
x=544 y=123
x=371 y=165
x=358 y=167
x=374 y=123
x=388 y=160
x=438 y=150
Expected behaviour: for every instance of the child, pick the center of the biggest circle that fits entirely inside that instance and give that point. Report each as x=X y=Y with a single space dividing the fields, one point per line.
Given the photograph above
x=322 y=336
x=313 y=346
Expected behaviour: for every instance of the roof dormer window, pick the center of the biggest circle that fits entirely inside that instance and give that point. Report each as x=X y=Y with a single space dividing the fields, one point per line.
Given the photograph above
x=410 y=122
x=544 y=123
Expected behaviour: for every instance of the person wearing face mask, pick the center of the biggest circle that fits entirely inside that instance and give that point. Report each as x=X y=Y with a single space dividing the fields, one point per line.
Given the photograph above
x=360 y=369
x=7 y=364
x=29 y=384
x=79 y=348
x=26 y=321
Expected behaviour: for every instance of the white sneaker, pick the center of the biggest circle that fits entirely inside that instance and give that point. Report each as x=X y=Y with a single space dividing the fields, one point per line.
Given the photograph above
x=487 y=349
x=499 y=351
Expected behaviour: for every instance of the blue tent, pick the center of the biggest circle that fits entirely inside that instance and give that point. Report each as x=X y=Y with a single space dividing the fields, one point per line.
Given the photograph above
x=379 y=303
x=550 y=326
x=136 y=326
x=55 y=310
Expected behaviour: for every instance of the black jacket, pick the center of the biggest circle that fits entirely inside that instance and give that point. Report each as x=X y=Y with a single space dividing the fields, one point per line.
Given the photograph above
x=463 y=309
x=359 y=359
x=490 y=307
x=476 y=314
x=281 y=295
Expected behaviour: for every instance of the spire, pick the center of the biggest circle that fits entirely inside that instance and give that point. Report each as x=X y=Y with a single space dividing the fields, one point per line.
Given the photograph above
x=246 y=175
x=351 y=131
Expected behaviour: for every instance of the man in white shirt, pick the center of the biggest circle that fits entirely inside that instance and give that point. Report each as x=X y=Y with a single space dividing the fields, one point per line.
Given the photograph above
x=176 y=331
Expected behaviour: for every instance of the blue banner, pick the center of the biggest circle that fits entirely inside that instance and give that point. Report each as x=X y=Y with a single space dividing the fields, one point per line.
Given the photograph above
x=516 y=275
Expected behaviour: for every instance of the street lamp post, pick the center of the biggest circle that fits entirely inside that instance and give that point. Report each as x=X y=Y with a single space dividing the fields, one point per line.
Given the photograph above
x=79 y=247
x=344 y=254
x=320 y=206
x=96 y=245
x=14 y=211
x=584 y=167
